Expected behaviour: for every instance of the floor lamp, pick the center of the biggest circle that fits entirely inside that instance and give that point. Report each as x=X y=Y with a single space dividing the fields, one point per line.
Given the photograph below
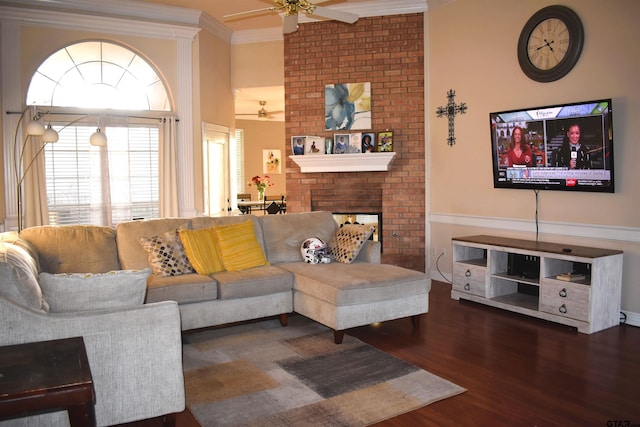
x=48 y=136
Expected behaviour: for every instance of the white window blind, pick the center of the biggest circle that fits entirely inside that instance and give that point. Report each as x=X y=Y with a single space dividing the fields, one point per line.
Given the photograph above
x=239 y=161
x=102 y=185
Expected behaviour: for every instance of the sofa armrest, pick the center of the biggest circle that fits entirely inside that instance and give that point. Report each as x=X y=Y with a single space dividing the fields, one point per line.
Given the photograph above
x=135 y=355
x=370 y=252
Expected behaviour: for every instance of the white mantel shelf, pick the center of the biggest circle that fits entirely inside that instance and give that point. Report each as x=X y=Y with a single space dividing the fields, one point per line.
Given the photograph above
x=367 y=162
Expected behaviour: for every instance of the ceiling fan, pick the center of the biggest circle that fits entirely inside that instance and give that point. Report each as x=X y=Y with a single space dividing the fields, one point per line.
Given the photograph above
x=290 y=9
x=262 y=114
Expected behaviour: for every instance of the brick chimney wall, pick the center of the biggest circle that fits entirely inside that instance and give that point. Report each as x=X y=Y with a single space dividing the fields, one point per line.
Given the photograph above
x=388 y=52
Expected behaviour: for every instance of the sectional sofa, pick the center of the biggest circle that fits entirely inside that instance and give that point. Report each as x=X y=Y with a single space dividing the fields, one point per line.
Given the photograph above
x=258 y=272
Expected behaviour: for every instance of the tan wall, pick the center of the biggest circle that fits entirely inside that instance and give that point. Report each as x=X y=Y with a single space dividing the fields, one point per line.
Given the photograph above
x=472 y=49
x=257 y=64
x=213 y=97
x=263 y=136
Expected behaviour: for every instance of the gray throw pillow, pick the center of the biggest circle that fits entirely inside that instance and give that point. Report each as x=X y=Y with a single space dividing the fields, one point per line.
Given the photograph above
x=70 y=292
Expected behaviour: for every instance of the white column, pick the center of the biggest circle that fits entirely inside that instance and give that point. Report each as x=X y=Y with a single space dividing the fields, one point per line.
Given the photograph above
x=11 y=101
x=184 y=107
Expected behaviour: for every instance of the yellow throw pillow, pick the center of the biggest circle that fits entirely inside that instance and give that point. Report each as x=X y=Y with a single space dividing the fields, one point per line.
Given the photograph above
x=239 y=248
x=201 y=249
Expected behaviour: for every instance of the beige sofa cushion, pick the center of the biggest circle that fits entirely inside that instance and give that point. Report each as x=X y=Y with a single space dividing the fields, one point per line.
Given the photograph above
x=74 y=248
x=74 y=292
x=182 y=289
x=358 y=283
x=283 y=234
x=252 y=282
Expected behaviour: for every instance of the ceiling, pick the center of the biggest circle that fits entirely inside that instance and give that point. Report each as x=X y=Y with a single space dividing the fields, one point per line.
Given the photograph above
x=219 y=8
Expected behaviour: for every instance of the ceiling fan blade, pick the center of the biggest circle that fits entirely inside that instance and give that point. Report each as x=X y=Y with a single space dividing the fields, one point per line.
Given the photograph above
x=328 y=13
x=290 y=23
x=247 y=14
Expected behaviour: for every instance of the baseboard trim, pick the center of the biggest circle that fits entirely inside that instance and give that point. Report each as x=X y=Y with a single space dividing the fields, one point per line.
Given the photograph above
x=633 y=319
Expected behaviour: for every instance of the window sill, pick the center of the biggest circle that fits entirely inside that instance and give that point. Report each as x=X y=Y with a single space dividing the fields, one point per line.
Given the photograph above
x=368 y=162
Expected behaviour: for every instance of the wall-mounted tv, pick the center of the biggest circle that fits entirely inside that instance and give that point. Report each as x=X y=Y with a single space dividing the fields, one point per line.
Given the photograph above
x=557 y=147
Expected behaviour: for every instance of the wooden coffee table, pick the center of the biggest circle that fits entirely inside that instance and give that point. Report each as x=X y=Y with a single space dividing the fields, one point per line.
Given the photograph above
x=47 y=376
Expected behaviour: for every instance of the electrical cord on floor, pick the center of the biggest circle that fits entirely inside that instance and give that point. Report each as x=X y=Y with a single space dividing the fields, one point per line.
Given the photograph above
x=438 y=268
x=536 y=191
x=623 y=318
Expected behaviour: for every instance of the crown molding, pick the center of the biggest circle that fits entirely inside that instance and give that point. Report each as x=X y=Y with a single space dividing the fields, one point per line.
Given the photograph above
x=108 y=24
x=209 y=24
x=366 y=9
x=114 y=8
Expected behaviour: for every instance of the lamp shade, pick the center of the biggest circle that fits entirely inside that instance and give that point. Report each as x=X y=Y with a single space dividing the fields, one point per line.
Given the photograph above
x=98 y=138
x=50 y=135
x=35 y=128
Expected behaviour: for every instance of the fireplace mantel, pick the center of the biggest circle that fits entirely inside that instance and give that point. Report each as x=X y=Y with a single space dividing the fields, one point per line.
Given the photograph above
x=344 y=162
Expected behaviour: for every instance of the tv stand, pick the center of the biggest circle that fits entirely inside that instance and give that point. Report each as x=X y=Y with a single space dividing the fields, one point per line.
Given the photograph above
x=576 y=286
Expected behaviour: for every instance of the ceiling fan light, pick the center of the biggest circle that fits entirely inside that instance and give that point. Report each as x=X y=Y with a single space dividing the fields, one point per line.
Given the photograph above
x=98 y=138
x=50 y=135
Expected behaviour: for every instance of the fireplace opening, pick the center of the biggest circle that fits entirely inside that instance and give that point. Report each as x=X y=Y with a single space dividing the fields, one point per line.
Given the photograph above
x=368 y=218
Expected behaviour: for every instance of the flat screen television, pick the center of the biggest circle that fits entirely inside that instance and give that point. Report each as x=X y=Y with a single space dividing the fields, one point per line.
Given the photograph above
x=557 y=147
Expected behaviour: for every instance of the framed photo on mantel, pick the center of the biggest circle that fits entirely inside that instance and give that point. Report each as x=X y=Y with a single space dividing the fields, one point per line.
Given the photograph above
x=297 y=145
x=385 y=140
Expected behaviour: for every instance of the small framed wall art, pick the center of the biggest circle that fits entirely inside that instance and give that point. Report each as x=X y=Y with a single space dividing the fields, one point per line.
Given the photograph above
x=271 y=161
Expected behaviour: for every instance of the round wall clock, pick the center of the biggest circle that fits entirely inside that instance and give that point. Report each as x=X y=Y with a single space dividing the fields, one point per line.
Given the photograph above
x=550 y=43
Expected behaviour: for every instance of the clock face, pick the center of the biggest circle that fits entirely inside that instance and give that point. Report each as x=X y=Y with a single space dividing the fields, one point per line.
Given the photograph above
x=548 y=44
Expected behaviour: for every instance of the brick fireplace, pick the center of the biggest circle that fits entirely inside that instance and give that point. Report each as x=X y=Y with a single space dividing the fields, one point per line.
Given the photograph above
x=388 y=52
x=351 y=206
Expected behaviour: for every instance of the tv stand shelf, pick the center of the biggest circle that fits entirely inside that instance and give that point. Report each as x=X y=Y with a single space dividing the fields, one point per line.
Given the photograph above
x=523 y=276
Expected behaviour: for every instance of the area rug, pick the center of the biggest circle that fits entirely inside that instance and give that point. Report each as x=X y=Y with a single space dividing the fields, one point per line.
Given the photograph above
x=263 y=374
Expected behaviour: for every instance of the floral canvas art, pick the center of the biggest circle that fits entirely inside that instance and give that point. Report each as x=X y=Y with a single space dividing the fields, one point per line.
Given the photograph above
x=347 y=106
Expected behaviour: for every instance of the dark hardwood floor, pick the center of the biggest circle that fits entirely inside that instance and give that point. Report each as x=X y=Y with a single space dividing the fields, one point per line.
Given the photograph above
x=518 y=371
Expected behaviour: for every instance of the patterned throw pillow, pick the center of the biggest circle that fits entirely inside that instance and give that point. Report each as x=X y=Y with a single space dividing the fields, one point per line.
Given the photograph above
x=239 y=248
x=166 y=254
x=202 y=251
x=348 y=241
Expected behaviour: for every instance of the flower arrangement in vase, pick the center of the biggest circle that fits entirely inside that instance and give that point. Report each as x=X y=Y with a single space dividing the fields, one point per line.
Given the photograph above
x=261 y=183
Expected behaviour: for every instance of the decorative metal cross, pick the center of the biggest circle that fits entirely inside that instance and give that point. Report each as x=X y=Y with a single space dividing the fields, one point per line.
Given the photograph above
x=450 y=111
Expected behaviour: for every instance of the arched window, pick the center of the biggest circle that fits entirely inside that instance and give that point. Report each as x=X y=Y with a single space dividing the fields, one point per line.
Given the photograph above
x=97 y=74
x=88 y=81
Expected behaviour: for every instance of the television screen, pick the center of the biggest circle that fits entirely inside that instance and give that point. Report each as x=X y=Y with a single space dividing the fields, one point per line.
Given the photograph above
x=557 y=147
